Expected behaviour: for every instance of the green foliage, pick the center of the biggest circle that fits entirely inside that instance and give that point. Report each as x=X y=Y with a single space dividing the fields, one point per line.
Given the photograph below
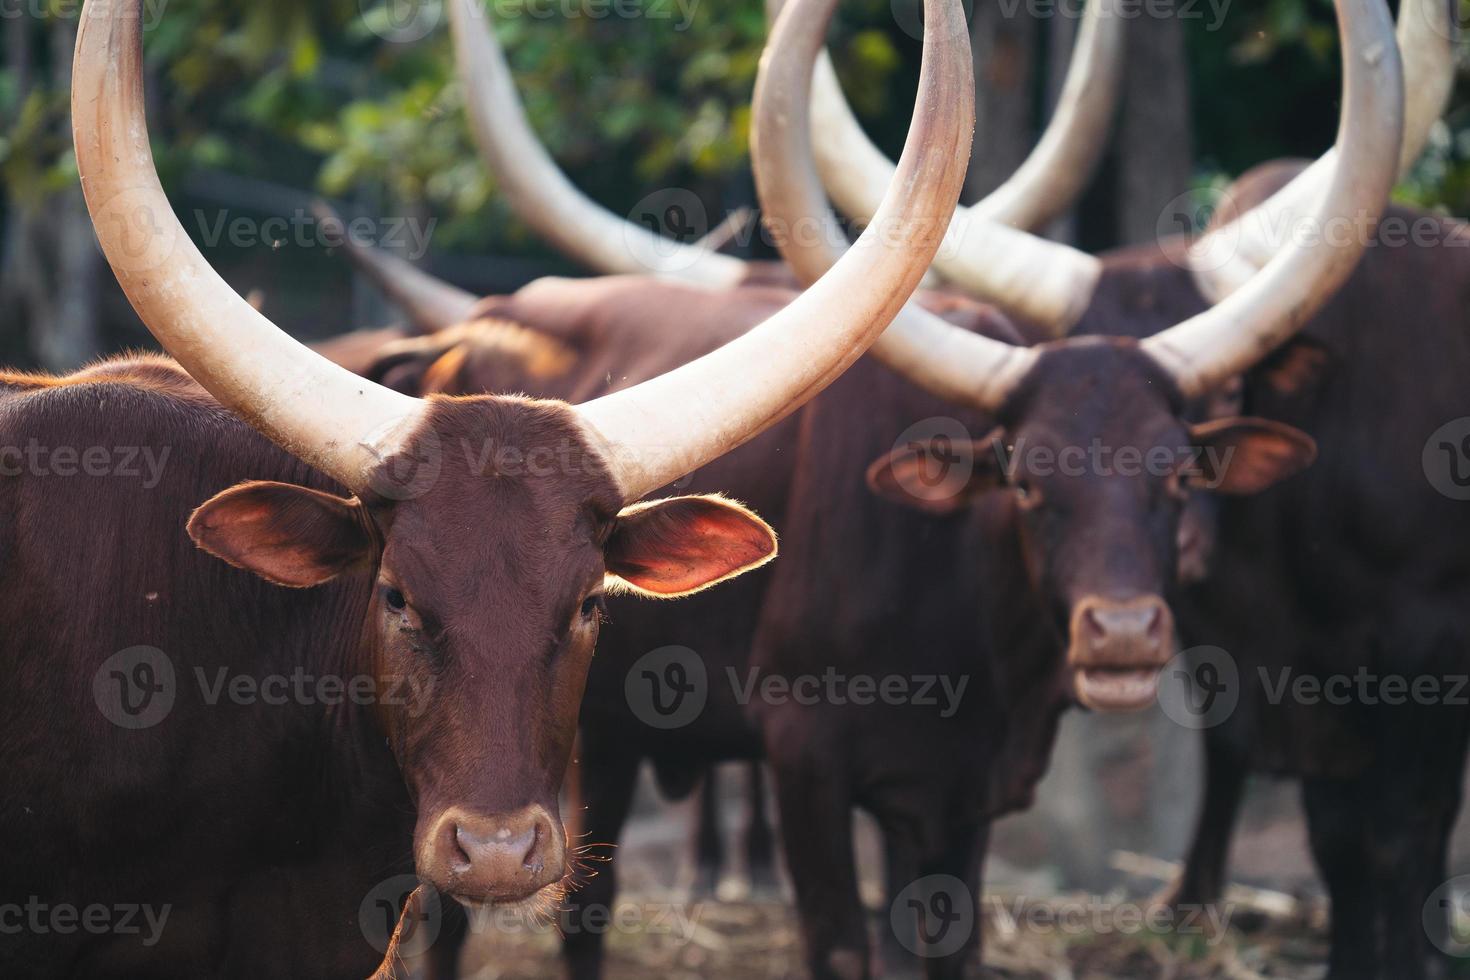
x=317 y=95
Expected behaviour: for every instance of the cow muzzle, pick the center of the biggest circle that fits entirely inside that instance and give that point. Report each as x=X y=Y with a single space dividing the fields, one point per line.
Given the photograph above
x=500 y=859
x=1117 y=650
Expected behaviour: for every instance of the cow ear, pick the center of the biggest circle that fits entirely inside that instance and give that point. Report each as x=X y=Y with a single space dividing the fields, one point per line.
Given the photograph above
x=286 y=534
x=1247 y=455
x=1298 y=366
x=938 y=478
x=671 y=548
x=402 y=366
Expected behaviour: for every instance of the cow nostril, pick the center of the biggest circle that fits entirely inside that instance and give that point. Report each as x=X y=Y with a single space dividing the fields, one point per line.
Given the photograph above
x=1094 y=625
x=459 y=855
x=535 y=857
x=1155 y=622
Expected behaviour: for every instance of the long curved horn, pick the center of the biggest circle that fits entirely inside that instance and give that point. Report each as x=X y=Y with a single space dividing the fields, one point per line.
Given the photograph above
x=988 y=251
x=537 y=189
x=671 y=425
x=1226 y=258
x=319 y=412
x=430 y=304
x=1056 y=171
x=1053 y=174
x=1215 y=345
x=936 y=355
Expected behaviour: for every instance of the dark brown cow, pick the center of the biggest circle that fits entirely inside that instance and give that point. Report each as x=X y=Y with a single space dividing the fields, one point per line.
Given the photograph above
x=580 y=339
x=1350 y=568
x=451 y=554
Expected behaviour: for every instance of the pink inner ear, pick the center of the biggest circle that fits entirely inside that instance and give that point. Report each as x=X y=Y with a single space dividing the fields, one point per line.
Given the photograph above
x=681 y=546
x=288 y=535
x=1261 y=454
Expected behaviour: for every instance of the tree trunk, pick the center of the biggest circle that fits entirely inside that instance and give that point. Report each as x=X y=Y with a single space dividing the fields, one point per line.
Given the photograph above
x=1155 y=151
x=51 y=274
x=71 y=337
x=1004 y=44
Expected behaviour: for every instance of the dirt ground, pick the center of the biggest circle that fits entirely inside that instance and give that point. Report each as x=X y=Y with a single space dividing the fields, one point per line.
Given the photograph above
x=759 y=941
x=1031 y=929
x=1271 y=926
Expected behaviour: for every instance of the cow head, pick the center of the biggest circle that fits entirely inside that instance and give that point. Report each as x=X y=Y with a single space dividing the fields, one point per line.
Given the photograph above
x=490 y=624
x=484 y=531
x=1092 y=437
x=1101 y=463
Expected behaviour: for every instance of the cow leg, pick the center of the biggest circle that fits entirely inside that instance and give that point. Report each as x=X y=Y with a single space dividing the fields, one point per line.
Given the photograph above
x=610 y=778
x=1414 y=818
x=899 y=933
x=1381 y=839
x=1338 y=825
x=1202 y=881
x=964 y=859
x=816 y=831
x=709 y=839
x=760 y=838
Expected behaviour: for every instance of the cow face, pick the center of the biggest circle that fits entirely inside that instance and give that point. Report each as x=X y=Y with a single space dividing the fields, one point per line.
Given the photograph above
x=1102 y=466
x=488 y=550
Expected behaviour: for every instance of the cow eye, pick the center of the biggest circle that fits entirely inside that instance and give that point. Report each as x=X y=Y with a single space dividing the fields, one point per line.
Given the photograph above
x=595 y=606
x=396 y=600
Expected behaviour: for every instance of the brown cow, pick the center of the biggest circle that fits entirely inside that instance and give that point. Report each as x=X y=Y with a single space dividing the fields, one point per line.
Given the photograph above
x=258 y=823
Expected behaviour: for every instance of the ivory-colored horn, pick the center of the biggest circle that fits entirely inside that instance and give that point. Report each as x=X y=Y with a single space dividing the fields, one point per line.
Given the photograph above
x=952 y=363
x=1210 y=348
x=989 y=252
x=429 y=303
x=317 y=411
x=540 y=193
x=674 y=424
x=1227 y=258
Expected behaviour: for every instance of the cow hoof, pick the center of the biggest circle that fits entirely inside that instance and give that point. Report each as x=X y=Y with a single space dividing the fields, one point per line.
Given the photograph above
x=735 y=888
x=846 y=964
